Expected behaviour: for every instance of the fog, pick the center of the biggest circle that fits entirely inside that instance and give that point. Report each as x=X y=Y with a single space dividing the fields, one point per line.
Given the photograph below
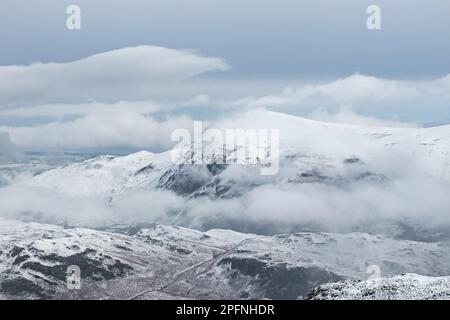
x=386 y=191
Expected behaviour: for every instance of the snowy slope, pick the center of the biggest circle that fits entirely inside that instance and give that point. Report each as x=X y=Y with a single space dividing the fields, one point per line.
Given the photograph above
x=307 y=147
x=402 y=287
x=392 y=183
x=171 y=262
x=105 y=176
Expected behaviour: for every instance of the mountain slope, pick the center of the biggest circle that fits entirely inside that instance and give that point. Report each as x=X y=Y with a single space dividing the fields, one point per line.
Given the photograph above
x=307 y=145
x=170 y=262
x=331 y=177
x=402 y=287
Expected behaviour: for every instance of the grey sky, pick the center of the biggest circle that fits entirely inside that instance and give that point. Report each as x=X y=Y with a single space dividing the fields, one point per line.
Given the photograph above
x=269 y=38
x=126 y=70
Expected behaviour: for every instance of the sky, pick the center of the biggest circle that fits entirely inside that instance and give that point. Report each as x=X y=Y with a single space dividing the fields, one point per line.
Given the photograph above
x=259 y=38
x=144 y=67
x=140 y=69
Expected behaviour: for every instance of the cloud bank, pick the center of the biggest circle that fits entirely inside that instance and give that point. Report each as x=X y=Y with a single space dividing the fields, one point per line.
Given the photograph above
x=368 y=97
x=121 y=74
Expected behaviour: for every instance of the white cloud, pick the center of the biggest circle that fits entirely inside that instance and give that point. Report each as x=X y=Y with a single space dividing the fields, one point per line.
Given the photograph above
x=107 y=100
x=48 y=205
x=360 y=94
x=199 y=100
x=155 y=205
x=342 y=92
x=415 y=200
x=8 y=151
x=129 y=73
x=59 y=110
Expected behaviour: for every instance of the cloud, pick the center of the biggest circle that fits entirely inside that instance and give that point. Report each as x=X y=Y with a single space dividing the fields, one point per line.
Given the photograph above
x=58 y=111
x=154 y=206
x=117 y=98
x=48 y=205
x=419 y=100
x=401 y=176
x=115 y=128
x=8 y=151
x=343 y=92
x=123 y=74
x=411 y=200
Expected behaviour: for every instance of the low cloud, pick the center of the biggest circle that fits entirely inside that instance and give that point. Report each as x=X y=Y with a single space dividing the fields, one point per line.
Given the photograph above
x=383 y=99
x=415 y=201
x=59 y=111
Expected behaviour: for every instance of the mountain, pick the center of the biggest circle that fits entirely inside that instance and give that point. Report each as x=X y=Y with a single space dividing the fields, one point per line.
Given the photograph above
x=402 y=287
x=345 y=201
x=331 y=177
x=154 y=262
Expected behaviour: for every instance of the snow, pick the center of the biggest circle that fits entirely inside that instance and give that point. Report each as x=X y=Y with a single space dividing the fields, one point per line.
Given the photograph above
x=197 y=264
x=306 y=146
x=102 y=176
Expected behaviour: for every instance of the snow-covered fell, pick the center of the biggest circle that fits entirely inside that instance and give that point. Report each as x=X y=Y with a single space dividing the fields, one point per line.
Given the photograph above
x=332 y=177
x=158 y=261
x=307 y=147
x=401 y=287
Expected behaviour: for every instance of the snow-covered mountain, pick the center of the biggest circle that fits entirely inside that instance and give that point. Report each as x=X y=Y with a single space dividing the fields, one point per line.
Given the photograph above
x=310 y=151
x=345 y=199
x=401 y=287
x=171 y=262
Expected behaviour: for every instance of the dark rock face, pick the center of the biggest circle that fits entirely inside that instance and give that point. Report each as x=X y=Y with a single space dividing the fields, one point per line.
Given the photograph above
x=145 y=169
x=185 y=179
x=49 y=272
x=216 y=168
x=279 y=281
x=21 y=286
